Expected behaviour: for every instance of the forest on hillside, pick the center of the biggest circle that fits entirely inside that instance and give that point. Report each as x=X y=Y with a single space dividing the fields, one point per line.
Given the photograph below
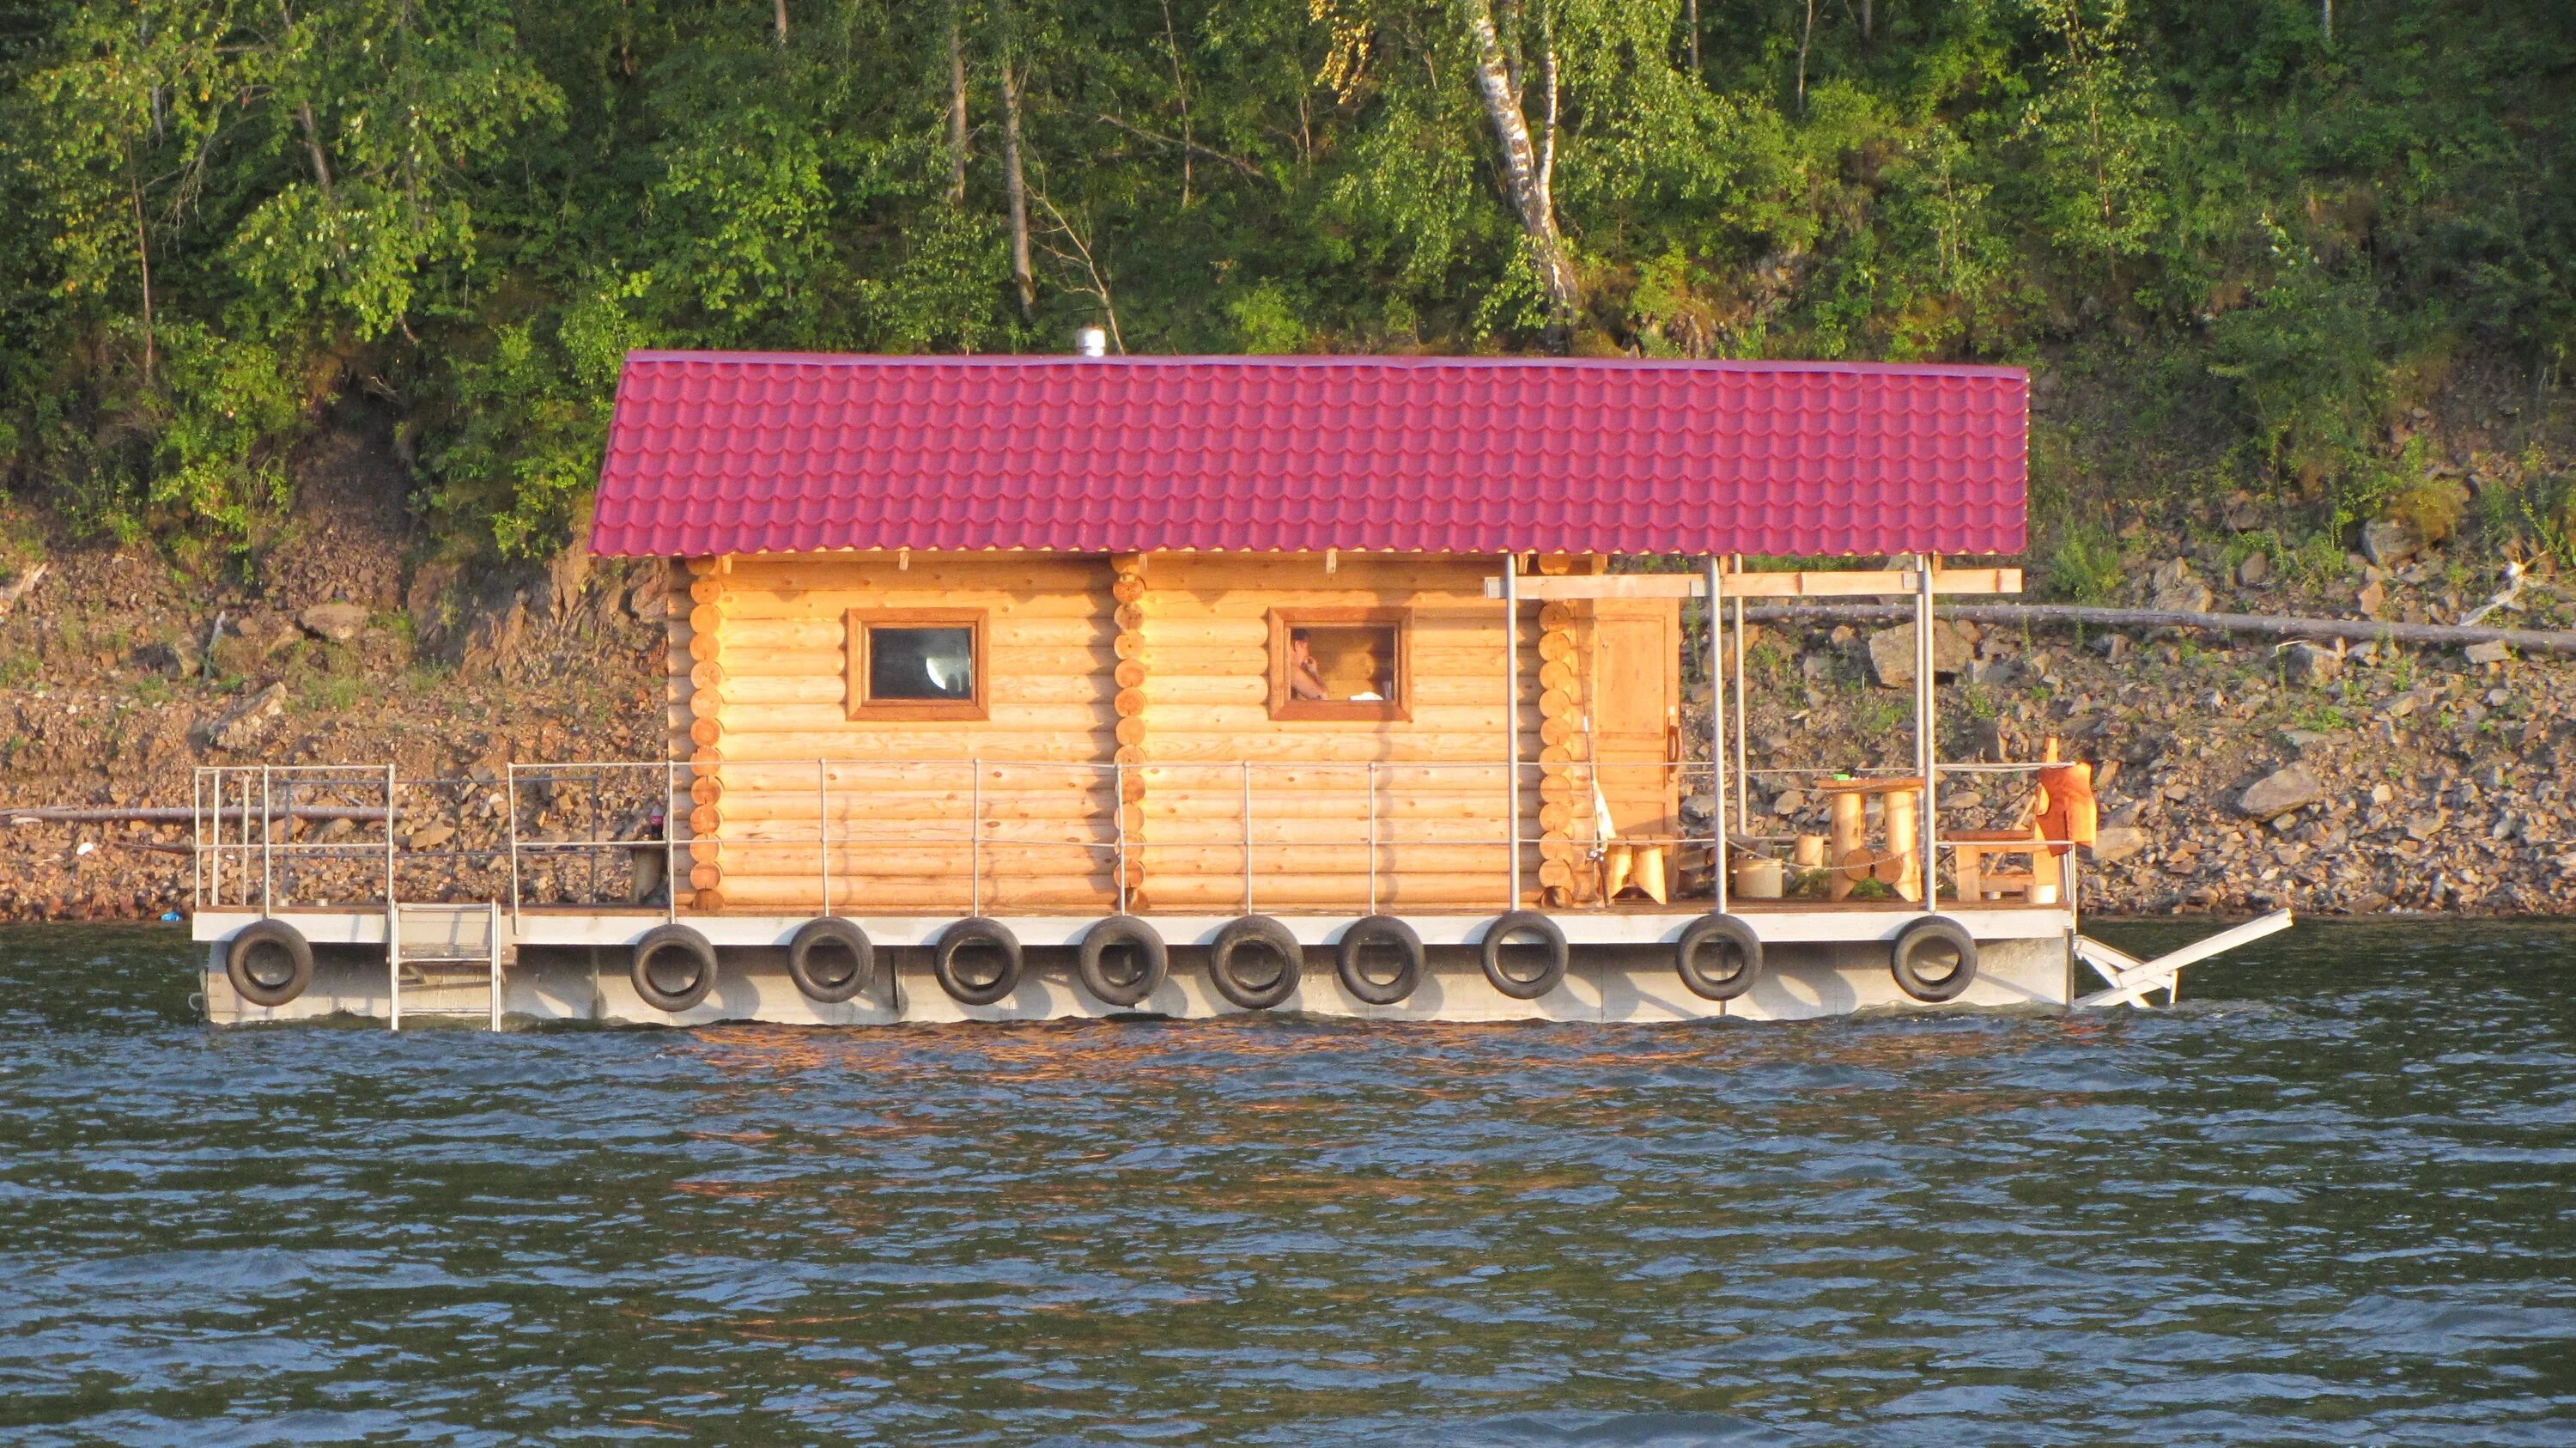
x=2244 y=242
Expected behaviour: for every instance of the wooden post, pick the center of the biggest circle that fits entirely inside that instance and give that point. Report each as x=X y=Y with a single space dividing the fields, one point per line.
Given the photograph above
x=1849 y=815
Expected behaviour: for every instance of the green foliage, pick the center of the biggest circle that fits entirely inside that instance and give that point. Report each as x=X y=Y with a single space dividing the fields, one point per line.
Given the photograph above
x=221 y=215
x=2086 y=566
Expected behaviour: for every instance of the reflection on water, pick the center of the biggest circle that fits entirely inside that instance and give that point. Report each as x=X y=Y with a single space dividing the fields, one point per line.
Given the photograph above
x=2327 y=1200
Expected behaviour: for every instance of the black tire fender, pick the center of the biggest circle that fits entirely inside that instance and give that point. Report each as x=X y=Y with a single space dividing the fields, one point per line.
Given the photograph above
x=652 y=956
x=967 y=934
x=252 y=958
x=1551 y=938
x=1153 y=957
x=1350 y=965
x=831 y=935
x=1923 y=944
x=1730 y=938
x=1269 y=935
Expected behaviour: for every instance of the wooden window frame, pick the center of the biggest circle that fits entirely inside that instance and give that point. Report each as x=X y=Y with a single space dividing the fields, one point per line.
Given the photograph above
x=854 y=655
x=1286 y=706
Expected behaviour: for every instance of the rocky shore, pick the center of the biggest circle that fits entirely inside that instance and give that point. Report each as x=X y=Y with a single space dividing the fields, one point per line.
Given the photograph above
x=2234 y=775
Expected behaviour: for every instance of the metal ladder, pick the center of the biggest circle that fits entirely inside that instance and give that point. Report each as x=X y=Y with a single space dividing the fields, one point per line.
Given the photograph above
x=448 y=942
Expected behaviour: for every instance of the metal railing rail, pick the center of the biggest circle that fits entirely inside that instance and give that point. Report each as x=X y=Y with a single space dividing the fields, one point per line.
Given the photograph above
x=248 y=856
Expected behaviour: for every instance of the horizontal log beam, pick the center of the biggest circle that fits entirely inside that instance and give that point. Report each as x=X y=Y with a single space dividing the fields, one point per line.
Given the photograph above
x=1816 y=584
x=2558 y=642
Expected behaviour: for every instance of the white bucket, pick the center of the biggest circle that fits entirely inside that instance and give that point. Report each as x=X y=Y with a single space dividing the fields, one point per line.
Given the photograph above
x=1757 y=877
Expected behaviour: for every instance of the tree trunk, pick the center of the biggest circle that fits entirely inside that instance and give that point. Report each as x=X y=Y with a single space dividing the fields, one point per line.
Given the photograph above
x=1016 y=187
x=782 y=24
x=1527 y=168
x=313 y=148
x=956 y=111
x=143 y=254
x=1690 y=32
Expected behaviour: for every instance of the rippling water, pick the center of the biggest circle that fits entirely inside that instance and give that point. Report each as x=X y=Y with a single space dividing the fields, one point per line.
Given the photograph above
x=2326 y=1200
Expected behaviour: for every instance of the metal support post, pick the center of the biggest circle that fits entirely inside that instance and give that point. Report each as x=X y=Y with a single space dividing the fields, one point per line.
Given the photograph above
x=1118 y=815
x=1372 y=836
x=1926 y=728
x=267 y=847
x=510 y=796
x=493 y=940
x=1716 y=735
x=1743 y=777
x=1511 y=721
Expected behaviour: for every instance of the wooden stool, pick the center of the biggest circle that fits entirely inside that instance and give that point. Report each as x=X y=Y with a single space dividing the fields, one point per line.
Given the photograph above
x=1977 y=883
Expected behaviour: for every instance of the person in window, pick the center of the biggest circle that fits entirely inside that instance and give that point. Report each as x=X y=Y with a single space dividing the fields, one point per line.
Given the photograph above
x=1304 y=682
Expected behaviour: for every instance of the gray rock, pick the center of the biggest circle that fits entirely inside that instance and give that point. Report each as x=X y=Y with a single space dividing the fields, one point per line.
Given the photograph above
x=243 y=726
x=1891 y=655
x=2370 y=598
x=2113 y=843
x=336 y=622
x=2111 y=646
x=1699 y=809
x=2280 y=792
x=2244 y=515
x=177 y=657
x=2387 y=542
x=1789 y=802
x=2309 y=666
x=2174 y=590
x=430 y=837
x=2255 y=568
x=2301 y=741
x=2491 y=652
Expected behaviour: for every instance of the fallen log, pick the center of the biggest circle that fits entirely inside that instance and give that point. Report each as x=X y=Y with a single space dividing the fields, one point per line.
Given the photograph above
x=178 y=814
x=2359 y=630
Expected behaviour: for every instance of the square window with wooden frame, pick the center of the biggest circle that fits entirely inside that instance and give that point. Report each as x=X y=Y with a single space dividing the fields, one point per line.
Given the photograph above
x=1350 y=664
x=917 y=663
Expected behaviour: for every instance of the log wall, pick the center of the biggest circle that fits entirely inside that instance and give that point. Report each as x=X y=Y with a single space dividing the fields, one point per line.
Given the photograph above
x=1129 y=690
x=889 y=821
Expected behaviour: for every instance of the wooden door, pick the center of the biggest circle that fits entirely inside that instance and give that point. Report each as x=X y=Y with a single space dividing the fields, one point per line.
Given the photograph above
x=1636 y=714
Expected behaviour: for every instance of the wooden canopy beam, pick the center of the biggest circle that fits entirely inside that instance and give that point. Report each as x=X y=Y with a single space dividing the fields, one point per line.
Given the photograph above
x=1821 y=584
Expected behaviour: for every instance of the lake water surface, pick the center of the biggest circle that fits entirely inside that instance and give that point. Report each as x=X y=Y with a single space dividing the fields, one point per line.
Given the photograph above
x=2332 y=1198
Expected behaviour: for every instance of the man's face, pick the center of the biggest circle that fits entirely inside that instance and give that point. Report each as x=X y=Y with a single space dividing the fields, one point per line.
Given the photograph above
x=1302 y=652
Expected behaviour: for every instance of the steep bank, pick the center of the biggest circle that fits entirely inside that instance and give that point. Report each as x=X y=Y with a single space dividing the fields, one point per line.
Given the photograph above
x=119 y=673
x=2388 y=779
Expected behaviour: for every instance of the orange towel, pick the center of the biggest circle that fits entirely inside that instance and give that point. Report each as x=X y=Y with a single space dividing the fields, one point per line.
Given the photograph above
x=2066 y=807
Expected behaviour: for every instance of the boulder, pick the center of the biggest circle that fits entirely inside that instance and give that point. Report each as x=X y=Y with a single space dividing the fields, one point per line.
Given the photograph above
x=176 y=657
x=246 y=722
x=334 y=622
x=430 y=837
x=2255 y=568
x=2370 y=598
x=2113 y=843
x=2388 y=542
x=1891 y=655
x=2309 y=666
x=2111 y=646
x=2174 y=590
x=2491 y=652
x=2280 y=792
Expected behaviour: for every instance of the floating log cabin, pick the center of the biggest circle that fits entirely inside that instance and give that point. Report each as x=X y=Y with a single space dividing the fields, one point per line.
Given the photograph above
x=1014 y=687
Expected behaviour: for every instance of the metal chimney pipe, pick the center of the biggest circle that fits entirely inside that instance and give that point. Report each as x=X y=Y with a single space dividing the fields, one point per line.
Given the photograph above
x=1091 y=342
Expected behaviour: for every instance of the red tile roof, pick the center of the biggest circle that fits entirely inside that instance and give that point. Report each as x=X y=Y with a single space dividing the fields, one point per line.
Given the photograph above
x=714 y=452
